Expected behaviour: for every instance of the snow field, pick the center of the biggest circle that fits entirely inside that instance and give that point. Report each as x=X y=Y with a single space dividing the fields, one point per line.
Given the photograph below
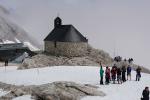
x=24 y=97
x=39 y=76
x=2 y=92
x=130 y=90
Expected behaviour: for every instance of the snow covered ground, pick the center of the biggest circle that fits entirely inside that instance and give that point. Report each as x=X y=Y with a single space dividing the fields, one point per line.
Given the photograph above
x=39 y=76
x=30 y=46
x=24 y=97
x=3 y=92
x=130 y=90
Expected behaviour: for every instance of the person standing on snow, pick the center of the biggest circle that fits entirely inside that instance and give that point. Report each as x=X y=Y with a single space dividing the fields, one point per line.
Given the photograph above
x=123 y=73
x=119 y=79
x=101 y=74
x=138 y=74
x=115 y=69
x=107 y=75
x=145 y=94
x=113 y=74
x=129 y=72
x=6 y=62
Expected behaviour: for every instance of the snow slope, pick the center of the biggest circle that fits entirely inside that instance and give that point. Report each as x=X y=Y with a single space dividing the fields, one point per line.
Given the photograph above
x=3 y=92
x=11 y=32
x=130 y=90
x=39 y=76
x=30 y=46
x=24 y=97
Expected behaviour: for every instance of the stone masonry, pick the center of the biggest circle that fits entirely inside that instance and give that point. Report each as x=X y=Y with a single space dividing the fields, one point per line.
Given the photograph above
x=69 y=49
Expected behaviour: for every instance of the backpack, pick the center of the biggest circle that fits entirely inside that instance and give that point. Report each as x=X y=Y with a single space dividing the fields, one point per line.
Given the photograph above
x=129 y=69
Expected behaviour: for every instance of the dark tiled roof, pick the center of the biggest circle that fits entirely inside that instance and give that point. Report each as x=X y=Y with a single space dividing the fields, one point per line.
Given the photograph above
x=65 y=33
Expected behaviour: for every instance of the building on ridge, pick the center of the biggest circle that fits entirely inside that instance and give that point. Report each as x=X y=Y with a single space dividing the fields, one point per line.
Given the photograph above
x=65 y=40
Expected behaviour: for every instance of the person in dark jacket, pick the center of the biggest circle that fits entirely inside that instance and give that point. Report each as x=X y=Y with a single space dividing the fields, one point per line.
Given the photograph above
x=101 y=74
x=145 y=94
x=123 y=73
x=129 y=72
x=107 y=75
x=138 y=73
x=114 y=66
x=113 y=74
x=119 y=79
x=6 y=62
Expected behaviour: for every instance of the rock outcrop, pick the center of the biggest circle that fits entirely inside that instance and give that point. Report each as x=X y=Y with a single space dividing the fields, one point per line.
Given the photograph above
x=65 y=91
x=92 y=58
x=52 y=91
x=134 y=66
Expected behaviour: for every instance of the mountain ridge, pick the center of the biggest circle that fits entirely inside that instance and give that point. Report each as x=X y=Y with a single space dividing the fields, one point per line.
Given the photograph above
x=10 y=30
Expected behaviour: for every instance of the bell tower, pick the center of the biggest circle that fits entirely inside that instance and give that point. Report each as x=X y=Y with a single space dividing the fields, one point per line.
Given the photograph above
x=57 y=22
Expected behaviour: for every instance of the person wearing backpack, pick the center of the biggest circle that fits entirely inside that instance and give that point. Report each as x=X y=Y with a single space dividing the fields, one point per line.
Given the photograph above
x=129 y=72
x=107 y=75
x=101 y=74
x=138 y=73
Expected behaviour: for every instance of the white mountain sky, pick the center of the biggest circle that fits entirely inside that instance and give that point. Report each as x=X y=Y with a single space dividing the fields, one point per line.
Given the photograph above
x=120 y=27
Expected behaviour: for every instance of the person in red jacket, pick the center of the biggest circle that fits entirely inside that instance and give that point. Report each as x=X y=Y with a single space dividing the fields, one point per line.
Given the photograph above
x=113 y=73
x=107 y=75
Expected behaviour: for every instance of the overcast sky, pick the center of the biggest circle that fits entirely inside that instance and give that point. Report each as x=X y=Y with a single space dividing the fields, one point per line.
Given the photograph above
x=120 y=26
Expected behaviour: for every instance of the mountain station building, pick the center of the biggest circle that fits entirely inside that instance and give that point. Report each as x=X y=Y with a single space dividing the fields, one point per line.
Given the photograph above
x=65 y=40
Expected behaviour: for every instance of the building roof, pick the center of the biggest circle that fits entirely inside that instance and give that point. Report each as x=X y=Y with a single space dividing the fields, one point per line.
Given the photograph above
x=11 y=46
x=11 y=51
x=65 y=33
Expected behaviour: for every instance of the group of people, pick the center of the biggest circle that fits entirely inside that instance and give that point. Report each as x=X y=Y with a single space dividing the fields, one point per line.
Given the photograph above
x=119 y=59
x=119 y=74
